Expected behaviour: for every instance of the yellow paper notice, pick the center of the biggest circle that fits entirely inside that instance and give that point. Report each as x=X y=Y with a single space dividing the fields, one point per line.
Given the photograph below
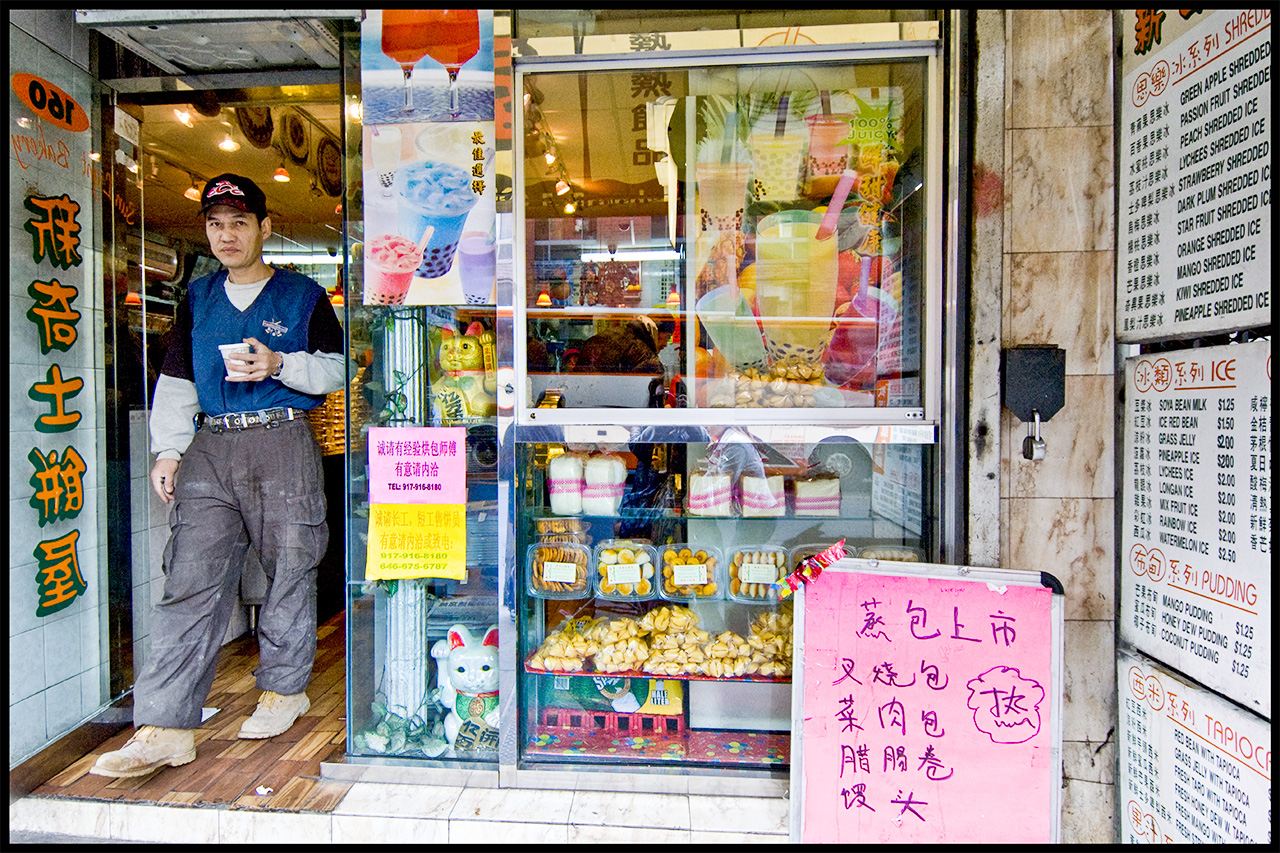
x=417 y=541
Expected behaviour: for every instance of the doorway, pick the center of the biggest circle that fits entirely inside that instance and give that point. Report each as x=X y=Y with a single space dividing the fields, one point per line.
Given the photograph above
x=289 y=140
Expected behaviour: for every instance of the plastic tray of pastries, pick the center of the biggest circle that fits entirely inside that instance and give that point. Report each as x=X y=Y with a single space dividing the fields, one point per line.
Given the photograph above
x=624 y=570
x=752 y=572
x=559 y=570
x=690 y=572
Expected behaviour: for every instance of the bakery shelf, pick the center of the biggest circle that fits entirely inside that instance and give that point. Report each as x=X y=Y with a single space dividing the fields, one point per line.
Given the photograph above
x=635 y=673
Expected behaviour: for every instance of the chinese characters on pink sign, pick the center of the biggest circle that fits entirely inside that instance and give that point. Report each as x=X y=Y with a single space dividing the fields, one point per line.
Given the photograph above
x=417 y=497
x=926 y=711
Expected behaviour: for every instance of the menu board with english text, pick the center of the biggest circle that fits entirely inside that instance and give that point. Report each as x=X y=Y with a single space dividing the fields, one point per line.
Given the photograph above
x=1193 y=253
x=1193 y=767
x=926 y=705
x=1195 y=590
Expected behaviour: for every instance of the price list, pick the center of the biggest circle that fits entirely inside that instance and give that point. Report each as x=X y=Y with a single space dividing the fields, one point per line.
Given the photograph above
x=1195 y=183
x=1196 y=526
x=1194 y=768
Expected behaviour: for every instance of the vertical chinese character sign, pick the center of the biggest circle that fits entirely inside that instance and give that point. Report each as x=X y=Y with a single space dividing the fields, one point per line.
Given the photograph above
x=927 y=711
x=49 y=355
x=417 y=503
x=428 y=153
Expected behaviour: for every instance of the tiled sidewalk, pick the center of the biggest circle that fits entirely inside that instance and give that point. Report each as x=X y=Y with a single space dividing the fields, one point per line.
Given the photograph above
x=375 y=812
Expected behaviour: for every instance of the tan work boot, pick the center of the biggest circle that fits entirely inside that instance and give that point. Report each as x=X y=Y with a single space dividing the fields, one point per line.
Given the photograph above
x=150 y=748
x=275 y=714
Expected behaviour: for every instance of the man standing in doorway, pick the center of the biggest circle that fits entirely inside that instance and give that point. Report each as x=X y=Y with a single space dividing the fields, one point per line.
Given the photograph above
x=236 y=455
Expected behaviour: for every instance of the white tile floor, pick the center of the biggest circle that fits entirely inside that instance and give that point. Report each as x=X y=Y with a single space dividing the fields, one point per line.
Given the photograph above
x=378 y=812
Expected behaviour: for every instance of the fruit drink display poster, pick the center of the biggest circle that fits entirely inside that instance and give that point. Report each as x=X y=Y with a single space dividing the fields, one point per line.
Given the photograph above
x=428 y=157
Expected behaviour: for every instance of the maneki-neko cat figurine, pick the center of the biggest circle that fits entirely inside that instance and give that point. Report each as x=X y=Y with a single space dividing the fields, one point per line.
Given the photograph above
x=468 y=381
x=467 y=684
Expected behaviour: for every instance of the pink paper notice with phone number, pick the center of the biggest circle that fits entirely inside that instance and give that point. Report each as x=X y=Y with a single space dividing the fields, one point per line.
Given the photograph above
x=418 y=465
x=926 y=711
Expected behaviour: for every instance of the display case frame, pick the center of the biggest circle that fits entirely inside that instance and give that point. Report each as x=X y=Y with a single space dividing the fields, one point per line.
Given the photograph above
x=520 y=421
x=517 y=770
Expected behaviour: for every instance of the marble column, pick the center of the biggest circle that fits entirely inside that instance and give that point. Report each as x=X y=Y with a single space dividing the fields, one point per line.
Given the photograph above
x=1058 y=514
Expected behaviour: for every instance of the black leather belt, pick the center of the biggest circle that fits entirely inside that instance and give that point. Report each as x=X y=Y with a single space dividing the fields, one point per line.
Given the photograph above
x=247 y=420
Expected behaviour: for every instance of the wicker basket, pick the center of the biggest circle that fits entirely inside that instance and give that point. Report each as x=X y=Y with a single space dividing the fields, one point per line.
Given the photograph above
x=328 y=421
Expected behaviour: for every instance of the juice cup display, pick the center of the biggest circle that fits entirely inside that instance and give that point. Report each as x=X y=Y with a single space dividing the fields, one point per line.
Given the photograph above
x=722 y=192
x=385 y=147
x=477 y=266
x=727 y=317
x=389 y=264
x=828 y=158
x=439 y=195
x=777 y=162
x=795 y=284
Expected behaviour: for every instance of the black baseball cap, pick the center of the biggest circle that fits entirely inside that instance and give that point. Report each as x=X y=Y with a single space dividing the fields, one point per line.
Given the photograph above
x=234 y=191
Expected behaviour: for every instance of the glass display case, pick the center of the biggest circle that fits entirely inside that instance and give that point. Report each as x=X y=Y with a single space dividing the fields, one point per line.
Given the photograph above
x=404 y=633
x=652 y=632
x=727 y=346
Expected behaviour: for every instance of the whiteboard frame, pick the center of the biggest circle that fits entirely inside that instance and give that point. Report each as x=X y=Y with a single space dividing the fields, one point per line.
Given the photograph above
x=996 y=577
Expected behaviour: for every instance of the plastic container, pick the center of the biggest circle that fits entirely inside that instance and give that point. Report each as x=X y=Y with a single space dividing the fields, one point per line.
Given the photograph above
x=751 y=572
x=800 y=553
x=559 y=570
x=624 y=570
x=903 y=553
x=555 y=530
x=700 y=567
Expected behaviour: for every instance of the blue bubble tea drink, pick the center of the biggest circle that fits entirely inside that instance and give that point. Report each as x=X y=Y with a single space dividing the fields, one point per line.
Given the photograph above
x=437 y=195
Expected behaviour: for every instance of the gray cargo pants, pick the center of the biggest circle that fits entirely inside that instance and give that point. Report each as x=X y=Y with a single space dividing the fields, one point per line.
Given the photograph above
x=260 y=488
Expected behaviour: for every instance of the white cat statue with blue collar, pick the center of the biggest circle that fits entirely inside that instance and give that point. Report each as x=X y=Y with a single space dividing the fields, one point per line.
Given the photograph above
x=467 y=684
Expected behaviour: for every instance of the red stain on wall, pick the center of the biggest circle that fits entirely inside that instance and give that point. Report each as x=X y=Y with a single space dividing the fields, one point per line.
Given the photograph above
x=988 y=191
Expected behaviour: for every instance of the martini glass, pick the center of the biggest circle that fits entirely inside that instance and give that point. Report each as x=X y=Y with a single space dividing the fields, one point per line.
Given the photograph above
x=451 y=37
x=404 y=41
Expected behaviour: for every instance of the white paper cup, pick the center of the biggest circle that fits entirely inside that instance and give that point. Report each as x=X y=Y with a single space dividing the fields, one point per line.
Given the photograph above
x=227 y=349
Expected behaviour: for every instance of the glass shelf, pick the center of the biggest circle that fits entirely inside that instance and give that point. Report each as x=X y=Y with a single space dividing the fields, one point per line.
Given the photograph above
x=634 y=673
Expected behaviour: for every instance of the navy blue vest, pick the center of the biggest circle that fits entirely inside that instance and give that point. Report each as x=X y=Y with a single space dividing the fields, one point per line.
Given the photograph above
x=279 y=317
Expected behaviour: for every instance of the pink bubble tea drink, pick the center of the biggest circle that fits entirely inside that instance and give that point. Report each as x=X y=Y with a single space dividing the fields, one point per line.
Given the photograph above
x=828 y=153
x=390 y=262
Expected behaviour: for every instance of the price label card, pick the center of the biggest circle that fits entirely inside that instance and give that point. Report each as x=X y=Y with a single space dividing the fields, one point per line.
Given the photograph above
x=624 y=573
x=686 y=575
x=758 y=573
x=560 y=572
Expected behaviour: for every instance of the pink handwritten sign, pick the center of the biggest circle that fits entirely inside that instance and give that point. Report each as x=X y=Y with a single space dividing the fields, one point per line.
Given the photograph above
x=926 y=711
x=418 y=465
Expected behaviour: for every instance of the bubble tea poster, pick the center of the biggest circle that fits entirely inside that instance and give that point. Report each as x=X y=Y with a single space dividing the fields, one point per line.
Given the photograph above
x=428 y=156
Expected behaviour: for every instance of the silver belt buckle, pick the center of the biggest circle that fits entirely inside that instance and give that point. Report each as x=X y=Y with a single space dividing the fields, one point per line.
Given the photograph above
x=267 y=420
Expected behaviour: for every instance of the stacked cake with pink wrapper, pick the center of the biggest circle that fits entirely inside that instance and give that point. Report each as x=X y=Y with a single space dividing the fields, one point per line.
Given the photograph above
x=604 y=476
x=818 y=494
x=763 y=497
x=711 y=494
x=565 y=483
